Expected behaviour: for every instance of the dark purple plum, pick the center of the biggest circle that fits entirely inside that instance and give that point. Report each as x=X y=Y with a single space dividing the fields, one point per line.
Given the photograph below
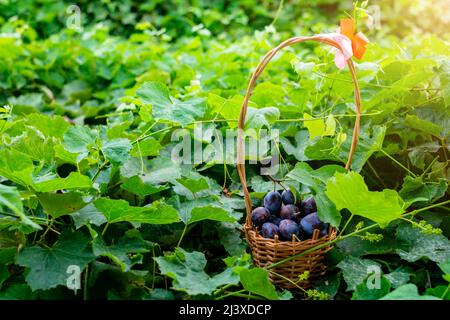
x=275 y=220
x=311 y=222
x=272 y=202
x=309 y=206
x=324 y=230
x=288 y=211
x=269 y=230
x=260 y=215
x=287 y=197
x=287 y=229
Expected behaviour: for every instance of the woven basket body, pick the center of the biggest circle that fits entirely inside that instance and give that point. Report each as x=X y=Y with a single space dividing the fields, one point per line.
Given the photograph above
x=266 y=252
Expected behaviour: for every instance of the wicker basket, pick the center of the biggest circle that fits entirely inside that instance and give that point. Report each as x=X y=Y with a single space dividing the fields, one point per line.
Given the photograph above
x=266 y=252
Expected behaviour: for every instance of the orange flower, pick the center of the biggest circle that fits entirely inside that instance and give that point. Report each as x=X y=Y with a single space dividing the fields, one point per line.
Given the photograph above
x=359 y=40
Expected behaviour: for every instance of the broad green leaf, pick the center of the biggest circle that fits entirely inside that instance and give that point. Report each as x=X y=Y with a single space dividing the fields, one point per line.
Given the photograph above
x=399 y=276
x=316 y=127
x=142 y=186
x=47 y=267
x=50 y=126
x=364 y=292
x=356 y=270
x=88 y=215
x=426 y=126
x=163 y=170
x=259 y=118
x=10 y=198
x=368 y=144
x=444 y=74
x=75 y=180
x=268 y=94
x=17 y=292
x=78 y=139
x=416 y=190
x=119 y=210
x=205 y=208
x=407 y=292
x=121 y=252
x=187 y=271
x=257 y=281
x=16 y=167
x=326 y=210
x=417 y=245
x=117 y=150
x=59 y=204
x=349 y=191
x=166 y=108
x=296 y=149
x=148 y=147
x=192 y=184
x=439 y=291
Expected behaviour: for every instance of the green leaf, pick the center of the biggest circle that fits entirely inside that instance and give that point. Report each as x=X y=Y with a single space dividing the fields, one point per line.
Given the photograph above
x=257 y=281
x=59 y=204
x=142 y=186
x=444 y=75
x=399 y=276
x=417 y=245
x=120 y=253
x=426 y=126
x=163 y=170
x=75 y=180
x=316 y=127
x=16 y=166
x=205 y=208
x=407 y=292
x=78 y=139
x=166 y=108
x=356 y=270
x=192 y=184
x=296 y=149
x=50 y=126
x=259 y=118
x=349 y=191
x=47 y=267
x=10 y=198
x=147 y=148
x=117 y=150
x=17 y=292
x=119 y=210
x=88 y=215
x=416 y=190
x=326 y=210
x=363 y=292
x=187 y=271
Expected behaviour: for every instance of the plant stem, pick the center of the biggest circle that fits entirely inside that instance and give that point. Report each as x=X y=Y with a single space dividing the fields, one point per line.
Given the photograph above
x=105 y=228
x=85 y=287
x=398 y=163
x=346 y=224
x=445 y=292
x=182 y=235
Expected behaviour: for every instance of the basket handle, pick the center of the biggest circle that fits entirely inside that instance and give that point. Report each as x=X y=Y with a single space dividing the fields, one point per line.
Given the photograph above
x=259 y=69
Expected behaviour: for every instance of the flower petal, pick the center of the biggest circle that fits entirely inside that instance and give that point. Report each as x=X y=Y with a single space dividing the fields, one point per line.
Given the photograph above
x=348 y=27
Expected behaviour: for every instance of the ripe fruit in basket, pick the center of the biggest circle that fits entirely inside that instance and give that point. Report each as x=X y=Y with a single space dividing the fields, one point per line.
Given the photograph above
x=260 y=215
x=287 y=229
x=311 y=222
x=309 y=206
x=288 y=211
x=272 y=202
x=269 y=230
x=287 y=197
x=275 y=220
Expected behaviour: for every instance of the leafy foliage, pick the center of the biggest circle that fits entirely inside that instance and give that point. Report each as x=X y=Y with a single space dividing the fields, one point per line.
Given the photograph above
x=91 y=134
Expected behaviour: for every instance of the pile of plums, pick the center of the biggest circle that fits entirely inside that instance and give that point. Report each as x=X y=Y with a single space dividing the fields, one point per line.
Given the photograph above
x=281 y=217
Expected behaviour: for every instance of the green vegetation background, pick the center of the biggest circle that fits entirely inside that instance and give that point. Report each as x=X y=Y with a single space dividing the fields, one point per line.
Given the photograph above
x=86 y=118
